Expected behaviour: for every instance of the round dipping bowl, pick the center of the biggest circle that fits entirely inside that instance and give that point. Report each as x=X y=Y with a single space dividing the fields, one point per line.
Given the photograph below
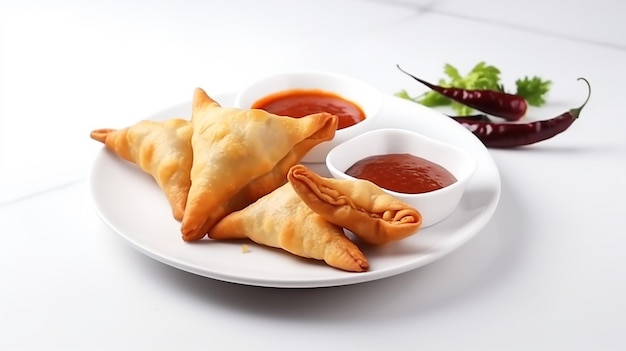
x=368 y=99
x=435 y=205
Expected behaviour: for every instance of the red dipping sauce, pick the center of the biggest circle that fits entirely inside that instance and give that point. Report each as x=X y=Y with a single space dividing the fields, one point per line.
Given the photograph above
x=403 y=173
x=300 y=102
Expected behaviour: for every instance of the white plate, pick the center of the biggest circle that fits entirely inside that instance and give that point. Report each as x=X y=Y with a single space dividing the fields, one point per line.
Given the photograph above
x=131 y=203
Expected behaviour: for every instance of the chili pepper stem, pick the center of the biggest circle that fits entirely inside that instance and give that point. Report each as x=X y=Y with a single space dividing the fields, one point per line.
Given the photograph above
x=576 y=111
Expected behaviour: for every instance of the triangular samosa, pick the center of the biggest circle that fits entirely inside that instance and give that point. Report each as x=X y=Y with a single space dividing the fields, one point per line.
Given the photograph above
x=162 y=149
x=241 y=155
x=282 y=220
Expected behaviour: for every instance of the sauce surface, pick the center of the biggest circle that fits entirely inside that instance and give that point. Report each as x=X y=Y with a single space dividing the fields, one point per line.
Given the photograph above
x=300 y=102
x=403 y=173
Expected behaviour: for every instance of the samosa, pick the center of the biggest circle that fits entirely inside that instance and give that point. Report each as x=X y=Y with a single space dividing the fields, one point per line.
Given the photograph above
x=357 y=205
x=160 y=148
x=282 y=220
x=240 y=155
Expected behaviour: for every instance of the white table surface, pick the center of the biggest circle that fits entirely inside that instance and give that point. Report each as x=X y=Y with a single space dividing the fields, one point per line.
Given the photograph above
x=548 y=272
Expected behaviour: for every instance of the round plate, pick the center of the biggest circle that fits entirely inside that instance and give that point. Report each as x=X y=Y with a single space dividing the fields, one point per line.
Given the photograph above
x=130 y=202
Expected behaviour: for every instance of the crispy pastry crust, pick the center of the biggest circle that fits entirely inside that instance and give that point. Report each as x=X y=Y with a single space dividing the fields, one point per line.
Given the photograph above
x=359 y=206
x=282 y=220
x=162 y=149
x=241 y=155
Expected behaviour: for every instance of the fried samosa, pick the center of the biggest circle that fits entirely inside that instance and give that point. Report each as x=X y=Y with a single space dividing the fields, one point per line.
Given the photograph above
x=357 y=205
x=162 y=149
x=282 y=220
x=241 y=155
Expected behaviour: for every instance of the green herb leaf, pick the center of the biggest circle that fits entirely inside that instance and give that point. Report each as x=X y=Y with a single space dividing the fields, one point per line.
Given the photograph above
x=433 y=99
x=452 y=72
x=430 y=99
x=405 y=95
x=483 y=76
x=533 y=90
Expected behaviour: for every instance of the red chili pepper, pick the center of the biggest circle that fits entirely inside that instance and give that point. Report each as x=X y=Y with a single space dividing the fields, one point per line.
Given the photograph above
x=507 y=135
x=496 y=103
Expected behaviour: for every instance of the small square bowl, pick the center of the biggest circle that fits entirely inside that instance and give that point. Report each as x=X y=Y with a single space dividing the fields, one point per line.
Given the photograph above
x=435 y=205
x=367 y=98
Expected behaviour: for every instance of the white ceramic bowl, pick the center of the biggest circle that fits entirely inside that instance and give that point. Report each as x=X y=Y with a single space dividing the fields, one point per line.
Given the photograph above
x=435 y=205
x=353 y=90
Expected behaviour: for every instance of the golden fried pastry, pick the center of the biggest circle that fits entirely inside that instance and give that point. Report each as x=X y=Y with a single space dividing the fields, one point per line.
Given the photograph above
x=357 y=205
x=241 y=155
x=162 y=149
x=282 y=220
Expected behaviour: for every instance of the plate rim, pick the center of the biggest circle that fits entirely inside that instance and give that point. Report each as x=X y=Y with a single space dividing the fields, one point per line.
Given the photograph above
x=348 y=278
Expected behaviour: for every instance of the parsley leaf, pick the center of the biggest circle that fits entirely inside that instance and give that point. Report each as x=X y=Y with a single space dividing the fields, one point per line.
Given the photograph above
x=482 y=76
x=533 y=90
x=452 y=72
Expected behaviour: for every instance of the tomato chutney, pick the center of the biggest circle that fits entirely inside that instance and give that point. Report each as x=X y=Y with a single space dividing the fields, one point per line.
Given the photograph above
x=403 y=173
x=302 y=102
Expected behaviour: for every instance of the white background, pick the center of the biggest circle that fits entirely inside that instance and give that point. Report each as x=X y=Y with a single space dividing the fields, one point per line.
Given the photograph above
x=546 y=273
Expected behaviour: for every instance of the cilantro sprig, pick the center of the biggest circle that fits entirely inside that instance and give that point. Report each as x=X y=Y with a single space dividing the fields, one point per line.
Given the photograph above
x=482 y=76
x=533 y=90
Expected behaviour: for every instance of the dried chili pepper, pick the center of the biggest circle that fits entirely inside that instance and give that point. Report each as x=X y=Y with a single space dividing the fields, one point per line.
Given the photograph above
x=507 y=135
x=496 y=103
